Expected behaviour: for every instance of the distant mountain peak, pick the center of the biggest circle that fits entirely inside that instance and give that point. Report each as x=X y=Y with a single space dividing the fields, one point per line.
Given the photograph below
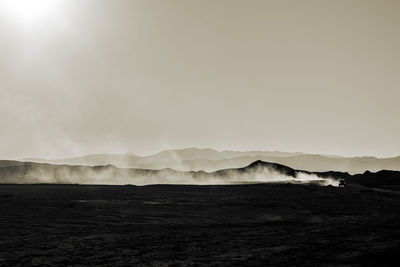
x=274 y=166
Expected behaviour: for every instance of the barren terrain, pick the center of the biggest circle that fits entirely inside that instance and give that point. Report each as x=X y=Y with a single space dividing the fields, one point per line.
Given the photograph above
x=168 y=225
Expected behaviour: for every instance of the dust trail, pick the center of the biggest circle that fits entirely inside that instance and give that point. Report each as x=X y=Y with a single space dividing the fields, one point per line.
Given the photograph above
x=258 y=172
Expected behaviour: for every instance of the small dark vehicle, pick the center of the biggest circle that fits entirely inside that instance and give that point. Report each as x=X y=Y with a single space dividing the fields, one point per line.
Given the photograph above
x=342 y=183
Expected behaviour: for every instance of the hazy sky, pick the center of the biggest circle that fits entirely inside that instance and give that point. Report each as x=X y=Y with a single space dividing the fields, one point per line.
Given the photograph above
x=91 y=76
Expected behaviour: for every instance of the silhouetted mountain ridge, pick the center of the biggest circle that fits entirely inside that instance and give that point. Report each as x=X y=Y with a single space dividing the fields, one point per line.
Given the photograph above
x=194 y=159
x=258 y=171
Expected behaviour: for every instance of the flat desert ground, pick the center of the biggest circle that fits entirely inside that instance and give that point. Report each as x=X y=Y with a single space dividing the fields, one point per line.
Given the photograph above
x=177 y=225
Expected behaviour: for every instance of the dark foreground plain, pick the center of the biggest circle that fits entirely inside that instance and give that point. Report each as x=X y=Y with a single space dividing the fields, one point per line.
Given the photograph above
x=168 y=225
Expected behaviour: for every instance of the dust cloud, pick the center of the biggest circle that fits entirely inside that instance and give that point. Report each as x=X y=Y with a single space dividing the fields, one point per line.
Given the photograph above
x=110 y=175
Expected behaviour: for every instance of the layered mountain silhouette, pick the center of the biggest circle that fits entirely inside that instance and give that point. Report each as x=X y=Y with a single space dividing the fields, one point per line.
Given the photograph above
x=165 y=157
x=30 y=172
x=17 y=172
x=194 y=159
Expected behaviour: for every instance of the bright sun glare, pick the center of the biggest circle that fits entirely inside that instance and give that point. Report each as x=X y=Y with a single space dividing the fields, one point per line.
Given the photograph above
x=29 y=11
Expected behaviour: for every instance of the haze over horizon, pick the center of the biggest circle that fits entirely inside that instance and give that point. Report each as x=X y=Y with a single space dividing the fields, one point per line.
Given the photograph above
x=294 y=153
x=317 y=77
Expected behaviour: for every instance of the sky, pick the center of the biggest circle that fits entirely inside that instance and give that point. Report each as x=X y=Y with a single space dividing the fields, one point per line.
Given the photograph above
x=93 y=76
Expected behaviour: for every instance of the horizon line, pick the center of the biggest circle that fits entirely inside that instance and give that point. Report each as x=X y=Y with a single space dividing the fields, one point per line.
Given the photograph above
x=203 y=148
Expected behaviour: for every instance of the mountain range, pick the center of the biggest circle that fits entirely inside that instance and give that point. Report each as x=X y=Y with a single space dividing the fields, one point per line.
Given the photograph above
x=30 y=172
x=210 y=160
x=16 y=172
